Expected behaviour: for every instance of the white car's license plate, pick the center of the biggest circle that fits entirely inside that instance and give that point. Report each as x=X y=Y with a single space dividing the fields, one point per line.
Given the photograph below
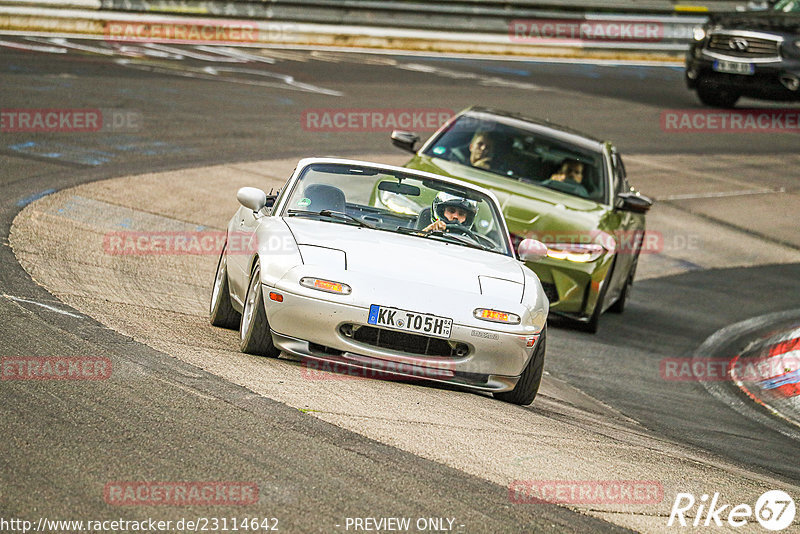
x=734 y=67
x=420 y=323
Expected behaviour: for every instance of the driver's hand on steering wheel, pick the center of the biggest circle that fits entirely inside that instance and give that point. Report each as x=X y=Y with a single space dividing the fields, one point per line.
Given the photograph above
x=438 y=226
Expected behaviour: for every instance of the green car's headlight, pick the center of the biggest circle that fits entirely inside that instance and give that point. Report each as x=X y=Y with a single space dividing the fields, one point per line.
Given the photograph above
x=699 y=34
x=577 y=252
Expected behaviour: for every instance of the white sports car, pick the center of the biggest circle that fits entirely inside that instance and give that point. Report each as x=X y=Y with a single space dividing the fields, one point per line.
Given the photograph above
x=328 y=272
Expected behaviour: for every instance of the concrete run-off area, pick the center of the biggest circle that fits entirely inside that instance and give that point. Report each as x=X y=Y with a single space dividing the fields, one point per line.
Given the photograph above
x=566 y=436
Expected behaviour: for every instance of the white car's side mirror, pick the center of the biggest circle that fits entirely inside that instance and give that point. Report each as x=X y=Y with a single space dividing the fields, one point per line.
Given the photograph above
x=531 y=250
x=252 y=198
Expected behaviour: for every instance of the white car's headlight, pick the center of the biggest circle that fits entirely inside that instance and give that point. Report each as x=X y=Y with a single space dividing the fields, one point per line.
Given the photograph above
x=496 y=316
x=577 y=252
x=326 y=285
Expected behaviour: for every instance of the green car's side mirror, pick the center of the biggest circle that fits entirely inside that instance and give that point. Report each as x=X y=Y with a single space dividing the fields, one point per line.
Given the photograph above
x=633 y=202
x=405 y=140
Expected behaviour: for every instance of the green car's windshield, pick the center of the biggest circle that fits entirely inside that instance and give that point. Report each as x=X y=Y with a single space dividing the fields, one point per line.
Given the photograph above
x=522 y=155
x=398 y=202
x=787 y=6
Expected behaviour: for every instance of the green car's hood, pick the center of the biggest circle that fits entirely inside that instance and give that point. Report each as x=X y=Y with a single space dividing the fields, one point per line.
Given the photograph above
x=527 y=207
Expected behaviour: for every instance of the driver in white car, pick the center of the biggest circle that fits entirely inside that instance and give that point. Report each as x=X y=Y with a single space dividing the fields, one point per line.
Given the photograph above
x=448 y=208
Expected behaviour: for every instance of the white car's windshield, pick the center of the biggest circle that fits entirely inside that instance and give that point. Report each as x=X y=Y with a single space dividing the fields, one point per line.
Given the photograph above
x=398 y=202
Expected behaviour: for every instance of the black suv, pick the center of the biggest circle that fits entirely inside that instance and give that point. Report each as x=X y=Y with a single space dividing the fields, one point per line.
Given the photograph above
x=753 y=54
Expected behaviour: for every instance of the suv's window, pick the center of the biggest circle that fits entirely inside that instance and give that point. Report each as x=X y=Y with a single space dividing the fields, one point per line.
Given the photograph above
x=787 y=6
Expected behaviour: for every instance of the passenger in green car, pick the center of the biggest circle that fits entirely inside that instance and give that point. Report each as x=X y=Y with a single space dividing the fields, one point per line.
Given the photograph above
x=570 y=174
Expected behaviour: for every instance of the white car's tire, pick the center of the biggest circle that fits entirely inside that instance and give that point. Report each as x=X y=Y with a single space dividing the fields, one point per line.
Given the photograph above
x=254 y=332
x=221 y=311
x=528 y=385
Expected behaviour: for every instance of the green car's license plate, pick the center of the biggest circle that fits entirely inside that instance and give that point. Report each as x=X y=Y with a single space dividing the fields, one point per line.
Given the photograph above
x=421 y=323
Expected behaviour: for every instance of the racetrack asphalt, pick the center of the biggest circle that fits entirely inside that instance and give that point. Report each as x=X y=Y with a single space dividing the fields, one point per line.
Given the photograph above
x=163 y=418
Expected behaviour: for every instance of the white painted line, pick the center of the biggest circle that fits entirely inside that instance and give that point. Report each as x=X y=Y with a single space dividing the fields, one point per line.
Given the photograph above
x=723 y=194
x=211 y=73
x=61 y=41
x=43 y=305
x=34 y=48
x=188 y=53
x=648 y=161
x=78 y=4
x=226 y=50
x=187 y=389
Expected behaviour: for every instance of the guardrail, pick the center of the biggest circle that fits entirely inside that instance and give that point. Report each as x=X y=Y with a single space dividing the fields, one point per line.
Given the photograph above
x=352 y=11
x=494 y=26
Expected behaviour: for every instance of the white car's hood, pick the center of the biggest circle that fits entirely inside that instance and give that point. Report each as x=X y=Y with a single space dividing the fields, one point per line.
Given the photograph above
x=402 y=258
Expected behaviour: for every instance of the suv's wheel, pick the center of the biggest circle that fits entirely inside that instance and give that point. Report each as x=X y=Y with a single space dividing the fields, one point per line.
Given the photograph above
x=254 y=333
x=713 y=95
x=221 y=311
x=528 y=385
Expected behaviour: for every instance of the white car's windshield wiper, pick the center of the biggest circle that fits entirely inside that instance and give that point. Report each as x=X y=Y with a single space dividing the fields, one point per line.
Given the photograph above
x=438 y=233
x=336 y=215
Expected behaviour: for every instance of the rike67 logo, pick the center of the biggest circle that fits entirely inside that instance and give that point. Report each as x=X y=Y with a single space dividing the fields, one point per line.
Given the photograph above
x=774 y=510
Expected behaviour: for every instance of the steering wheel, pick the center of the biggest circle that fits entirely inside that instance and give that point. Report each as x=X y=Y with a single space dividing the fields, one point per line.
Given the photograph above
x=458 y=228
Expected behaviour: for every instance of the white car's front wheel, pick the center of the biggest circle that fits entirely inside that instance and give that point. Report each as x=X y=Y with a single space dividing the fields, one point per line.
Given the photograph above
x=528 y=385
x=254 y=333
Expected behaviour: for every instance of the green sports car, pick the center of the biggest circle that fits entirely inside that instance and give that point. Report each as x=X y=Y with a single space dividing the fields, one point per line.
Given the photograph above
x=557 y=186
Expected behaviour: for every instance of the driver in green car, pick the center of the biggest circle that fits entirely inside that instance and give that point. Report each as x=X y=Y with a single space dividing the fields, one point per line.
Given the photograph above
x=450 y=209
x=482 y=150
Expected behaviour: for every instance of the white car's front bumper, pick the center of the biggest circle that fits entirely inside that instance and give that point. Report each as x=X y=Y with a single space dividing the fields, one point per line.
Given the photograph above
x=478 y=357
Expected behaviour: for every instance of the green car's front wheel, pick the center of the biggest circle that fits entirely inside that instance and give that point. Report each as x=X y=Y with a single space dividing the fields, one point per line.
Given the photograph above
x=592 y=324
